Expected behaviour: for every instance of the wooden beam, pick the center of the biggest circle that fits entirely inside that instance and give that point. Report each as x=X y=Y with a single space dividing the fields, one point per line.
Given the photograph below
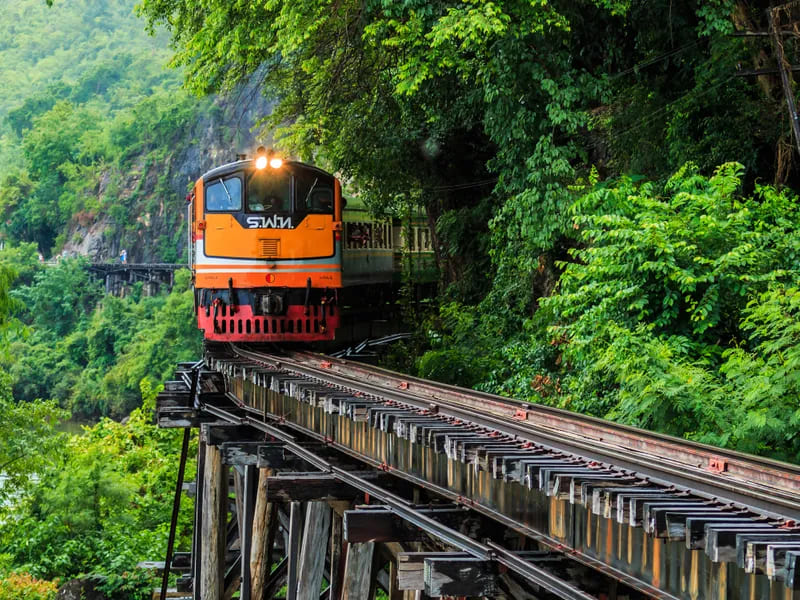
x=395 y=593
x=792 y=567
x=338 y=547
x=303 y=487
x=293 y=550
x=460 y=576
x=219 y=433
x=248 y=516
x=382 y=525
x=358 y=571
x=240 y=453
x=197 y=538
x=314 y=550
x=411 y=568
x=265 y=523
x=277 y=579
x=273 y=455
x=180 y=418
x=215 y=495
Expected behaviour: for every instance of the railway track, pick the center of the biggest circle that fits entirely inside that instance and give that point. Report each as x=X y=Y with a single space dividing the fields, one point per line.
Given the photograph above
x=662 y=517
x=761 y=483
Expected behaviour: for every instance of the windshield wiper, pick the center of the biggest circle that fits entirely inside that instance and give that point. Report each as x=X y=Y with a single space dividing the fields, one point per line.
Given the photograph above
x=305 y=202
x=227 y=193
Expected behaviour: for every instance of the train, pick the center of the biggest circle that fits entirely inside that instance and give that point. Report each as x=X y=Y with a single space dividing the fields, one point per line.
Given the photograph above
x=277 y=256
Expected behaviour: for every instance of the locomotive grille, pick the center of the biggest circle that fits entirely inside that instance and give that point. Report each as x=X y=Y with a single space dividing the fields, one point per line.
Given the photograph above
x=268 y=247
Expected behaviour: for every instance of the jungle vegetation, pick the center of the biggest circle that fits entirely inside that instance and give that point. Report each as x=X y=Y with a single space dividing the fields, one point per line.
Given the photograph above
x=612 y=208
x=611 y=203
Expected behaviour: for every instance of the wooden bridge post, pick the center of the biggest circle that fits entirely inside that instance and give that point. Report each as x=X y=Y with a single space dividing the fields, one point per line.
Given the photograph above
x=293 y=549
x=313 y=551
x=249 y=492
x=358 y=571
x=214 y=526
x=197 y=538
x=265 y=523
x=337 y=546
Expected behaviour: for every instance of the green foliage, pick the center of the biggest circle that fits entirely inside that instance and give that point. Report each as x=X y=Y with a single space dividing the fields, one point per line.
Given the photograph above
x=90 y=352
x=763 y=375
x=22 y=586
x=59 y=297
x=100 y=506
x=25 y=427
x=677 y=313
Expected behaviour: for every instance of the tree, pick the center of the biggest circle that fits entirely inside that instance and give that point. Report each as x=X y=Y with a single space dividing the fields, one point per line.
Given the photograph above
x=60 y=297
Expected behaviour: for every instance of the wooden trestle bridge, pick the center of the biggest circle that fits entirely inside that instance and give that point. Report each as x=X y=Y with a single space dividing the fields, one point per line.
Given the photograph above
x=320 y=478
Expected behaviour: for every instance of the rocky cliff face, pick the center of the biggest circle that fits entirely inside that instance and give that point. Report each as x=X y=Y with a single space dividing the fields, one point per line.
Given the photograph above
x=152 y=226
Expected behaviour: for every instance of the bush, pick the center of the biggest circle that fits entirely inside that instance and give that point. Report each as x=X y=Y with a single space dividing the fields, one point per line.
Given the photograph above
x=23 y=586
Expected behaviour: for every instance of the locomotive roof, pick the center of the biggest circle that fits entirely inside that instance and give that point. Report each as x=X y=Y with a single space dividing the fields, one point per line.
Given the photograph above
x=239 y=165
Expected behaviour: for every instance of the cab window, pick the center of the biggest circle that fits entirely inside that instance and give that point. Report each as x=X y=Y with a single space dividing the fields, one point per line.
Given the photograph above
x=314 y=193
x=224 y=195
x=269 y=191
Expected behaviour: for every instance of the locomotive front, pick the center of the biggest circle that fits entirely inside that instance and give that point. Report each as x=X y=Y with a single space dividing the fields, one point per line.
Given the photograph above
x=266 y=251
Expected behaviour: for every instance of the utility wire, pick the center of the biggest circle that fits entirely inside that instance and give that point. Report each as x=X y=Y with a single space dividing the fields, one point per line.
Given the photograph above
x=654 y=60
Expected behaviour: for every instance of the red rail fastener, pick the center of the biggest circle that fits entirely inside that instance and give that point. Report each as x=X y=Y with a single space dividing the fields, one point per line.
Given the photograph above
x=521 y=414
x=717 y=465
x=403 y=385
x=325 y=364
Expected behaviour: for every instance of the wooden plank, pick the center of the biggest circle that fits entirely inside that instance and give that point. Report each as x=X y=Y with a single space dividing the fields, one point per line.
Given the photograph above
x=304 y=487
x=383 y=525
x=411 y=568
x=293 y=549
x=745 y=539
x=669 y=520
x=273 y=455
x=792 y=580
x=197 y=542
x=219 y=433
x=338 y=548
x=250 y=489
x=358 y=571
x=314 y=550
x=215 y=495
x=264 y=522
x=776 y=559
x=238 y=500
x=277 y=579
x=460 y=576
x=240 y=453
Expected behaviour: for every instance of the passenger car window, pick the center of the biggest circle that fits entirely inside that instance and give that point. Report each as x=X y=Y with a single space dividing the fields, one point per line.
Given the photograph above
x=224 y=195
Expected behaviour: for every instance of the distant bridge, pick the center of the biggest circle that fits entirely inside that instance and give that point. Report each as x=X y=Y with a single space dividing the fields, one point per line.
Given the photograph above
x=119 y=276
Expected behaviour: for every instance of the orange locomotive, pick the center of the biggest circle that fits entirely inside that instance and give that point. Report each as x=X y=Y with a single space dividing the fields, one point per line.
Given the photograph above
x=266 y=251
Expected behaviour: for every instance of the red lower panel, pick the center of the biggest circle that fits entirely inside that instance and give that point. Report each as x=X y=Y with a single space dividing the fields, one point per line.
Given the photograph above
x=240 y=325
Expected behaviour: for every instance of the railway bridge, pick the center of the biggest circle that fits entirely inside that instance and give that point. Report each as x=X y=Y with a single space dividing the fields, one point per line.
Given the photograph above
x=334 y=480
x=119 y=276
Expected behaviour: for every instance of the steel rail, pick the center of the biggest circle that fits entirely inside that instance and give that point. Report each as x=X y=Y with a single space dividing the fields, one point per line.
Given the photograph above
x=403 y=508
x=667 y=471
x=490 y=513
x=687 y=451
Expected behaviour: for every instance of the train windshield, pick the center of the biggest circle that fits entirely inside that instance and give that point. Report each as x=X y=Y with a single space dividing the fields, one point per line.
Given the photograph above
x=314 y=193
x=224 y=194
x=269 y=191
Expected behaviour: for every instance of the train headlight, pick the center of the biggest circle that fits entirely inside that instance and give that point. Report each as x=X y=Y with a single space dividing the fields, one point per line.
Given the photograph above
x=261 y=162
x=275 y=162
